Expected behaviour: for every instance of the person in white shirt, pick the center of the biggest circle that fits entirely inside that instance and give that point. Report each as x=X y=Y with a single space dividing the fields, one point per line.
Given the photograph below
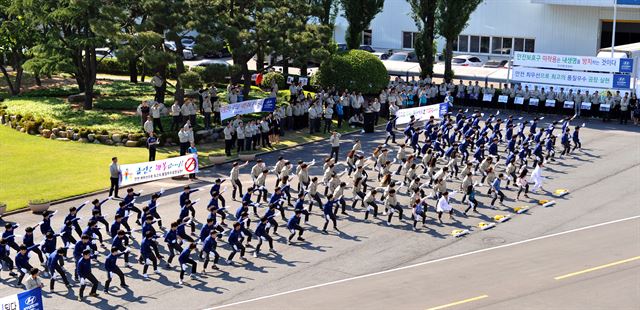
x=375 y=108
x=176 y=119
x=444 y=206
x=228 y=139
x=334 y=140
x=157 y=83
x=328 y=118
x=312 y=119
x=207 y=109
x=148 y=125
x=156 y=109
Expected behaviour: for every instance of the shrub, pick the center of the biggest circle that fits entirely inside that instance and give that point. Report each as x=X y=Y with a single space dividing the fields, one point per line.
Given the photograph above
x=191 y=80
x=267 y=78
x=214 y=73
x=112 y=66
x=353 y=70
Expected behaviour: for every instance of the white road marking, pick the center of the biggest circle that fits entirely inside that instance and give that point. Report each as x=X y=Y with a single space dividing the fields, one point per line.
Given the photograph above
x=425 y=263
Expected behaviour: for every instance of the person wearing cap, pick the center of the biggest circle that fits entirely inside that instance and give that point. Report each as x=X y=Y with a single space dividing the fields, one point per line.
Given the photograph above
x=84 y=271
x=55 y=263
x=111 y=266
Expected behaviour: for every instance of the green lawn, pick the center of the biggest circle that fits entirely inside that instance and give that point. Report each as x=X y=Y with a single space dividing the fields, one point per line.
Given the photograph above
x=35 y=168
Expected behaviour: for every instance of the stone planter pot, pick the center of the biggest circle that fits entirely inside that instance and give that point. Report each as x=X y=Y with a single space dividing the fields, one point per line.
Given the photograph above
x=46 y=133
x=216 y=160
x=247 y=157
x=39 y=207
x=91 y=137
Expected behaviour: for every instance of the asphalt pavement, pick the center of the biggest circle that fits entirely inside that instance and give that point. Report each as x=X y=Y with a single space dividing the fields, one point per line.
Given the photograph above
x=603 y=179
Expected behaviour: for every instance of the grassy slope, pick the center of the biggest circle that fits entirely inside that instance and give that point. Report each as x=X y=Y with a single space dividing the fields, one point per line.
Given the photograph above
x=35 y=168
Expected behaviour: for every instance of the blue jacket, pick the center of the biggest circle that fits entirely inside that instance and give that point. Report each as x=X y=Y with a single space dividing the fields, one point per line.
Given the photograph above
x=84 y=267
x=205 y=231
x=261 y=230
x=171 y=236
x=119 y=243
x=110 y=262
x=54 y=260
x=327 y=209
x=22 y=261
x=234 y=237
x=184 y=255
x=49 y=245
x=145 y=247
x=209 y=245
x=293 y=222
x=185 y=195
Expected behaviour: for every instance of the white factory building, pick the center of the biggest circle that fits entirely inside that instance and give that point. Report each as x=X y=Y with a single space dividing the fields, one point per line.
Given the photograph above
x=572 y=27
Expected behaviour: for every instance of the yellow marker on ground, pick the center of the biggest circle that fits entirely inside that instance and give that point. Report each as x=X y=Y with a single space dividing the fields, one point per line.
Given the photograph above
x=501 y=218
x=520 y=209
x=459 y=302
x=459 y=232
x=485 y=226
x=597 y=268
x=560 y=192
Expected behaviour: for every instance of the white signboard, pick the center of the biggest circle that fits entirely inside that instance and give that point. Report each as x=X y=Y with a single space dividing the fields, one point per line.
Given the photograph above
x=550 y=103
x=159 y=169
x=585 y=106
x=571 y=62
x=290 y=80
x=503 y=98
x=421 y=113
x=561 y=77
x=534 y=102
x=518 y=100
x=303 y=81
x=569 y=104
x=605 y=107
x=487 y=97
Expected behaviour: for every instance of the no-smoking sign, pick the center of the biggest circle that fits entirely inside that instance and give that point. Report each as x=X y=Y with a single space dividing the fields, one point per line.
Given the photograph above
x=190 y=165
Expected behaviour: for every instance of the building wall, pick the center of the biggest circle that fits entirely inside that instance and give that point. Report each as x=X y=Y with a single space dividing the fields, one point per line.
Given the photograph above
x=564 y=29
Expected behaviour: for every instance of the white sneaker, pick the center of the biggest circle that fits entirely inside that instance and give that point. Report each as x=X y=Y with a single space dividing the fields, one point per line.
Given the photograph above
x=158 y=272
x=146 y=276
x=180 y=282
x=255 y=254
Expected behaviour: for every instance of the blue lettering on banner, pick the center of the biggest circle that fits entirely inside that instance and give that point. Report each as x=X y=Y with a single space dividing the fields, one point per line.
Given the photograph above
x=621 y=81
x=626 y=65
x=269 y=105
x=628 y=2
x=31 y=300
x=444 y=108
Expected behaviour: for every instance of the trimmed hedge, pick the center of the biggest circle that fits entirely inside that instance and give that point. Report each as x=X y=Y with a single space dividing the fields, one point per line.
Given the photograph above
x=116 y=67
x=355 y=70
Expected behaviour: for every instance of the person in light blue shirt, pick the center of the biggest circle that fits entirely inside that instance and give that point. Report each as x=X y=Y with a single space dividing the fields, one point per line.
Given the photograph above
x=497 y=190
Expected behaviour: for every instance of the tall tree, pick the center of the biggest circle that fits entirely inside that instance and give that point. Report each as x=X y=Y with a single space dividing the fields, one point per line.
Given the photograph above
x=452 y=19
x=325 y=11
x=423 y=13
x=71 y=32
x=235 y=22
x=17 y=36
x=359 y=14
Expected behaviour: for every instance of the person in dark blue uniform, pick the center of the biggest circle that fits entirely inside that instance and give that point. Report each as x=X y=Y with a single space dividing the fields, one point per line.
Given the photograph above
x=55 y=262
x=171 y=238
x=294 y=225
x=28 y=241
x=84 y=271
x=185 y=260
x=235 y=242
x=111 y=266
x=209 y=246
x=9 y=235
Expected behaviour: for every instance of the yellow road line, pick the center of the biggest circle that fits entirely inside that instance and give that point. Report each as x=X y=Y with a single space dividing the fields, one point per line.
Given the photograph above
x=597 y=268
x=459 y=302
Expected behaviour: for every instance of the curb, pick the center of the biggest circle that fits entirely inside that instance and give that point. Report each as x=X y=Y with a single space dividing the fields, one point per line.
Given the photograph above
x=63 y=200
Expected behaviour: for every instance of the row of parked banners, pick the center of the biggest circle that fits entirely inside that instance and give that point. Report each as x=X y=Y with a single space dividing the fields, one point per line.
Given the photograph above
x=570 y=62
x=557 y=70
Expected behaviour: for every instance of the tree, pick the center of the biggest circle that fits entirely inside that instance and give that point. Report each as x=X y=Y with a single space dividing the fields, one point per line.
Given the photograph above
x=359 y=14
x=423 y=13
x=452 y=19
x=16 y=38
x=326 y=11
x=71 y=30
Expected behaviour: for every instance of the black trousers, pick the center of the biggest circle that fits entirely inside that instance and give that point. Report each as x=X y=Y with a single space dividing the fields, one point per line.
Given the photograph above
x=62 y=274
x=207 y=255
x=153 y=260
x=329 y=217
x=157 y=123
x=176 y=122
x=23 y=273
x=173 y=248
x=267 y=238
x=235 y=248
x=115 y=186
x=152 y=153
x=228 y=145
x=188 y=261
x=334 y=150
x=237 y=185
x=183 y=148
x=118 y=272
x=265 y=140
x=94 y=284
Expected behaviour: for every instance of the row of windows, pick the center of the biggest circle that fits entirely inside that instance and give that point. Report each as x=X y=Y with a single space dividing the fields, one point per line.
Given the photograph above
x=479 y=44
x=493 y=45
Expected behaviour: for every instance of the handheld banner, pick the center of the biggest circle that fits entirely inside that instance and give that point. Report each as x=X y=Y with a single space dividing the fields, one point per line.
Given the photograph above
x=534 y=102
x=503 y=98
x=159 y=169
x=247 y=107
x=29 y=300
x=518 y=100
x=568 y=104
x=422 y=113
x=487 y=97
x=550 y=103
